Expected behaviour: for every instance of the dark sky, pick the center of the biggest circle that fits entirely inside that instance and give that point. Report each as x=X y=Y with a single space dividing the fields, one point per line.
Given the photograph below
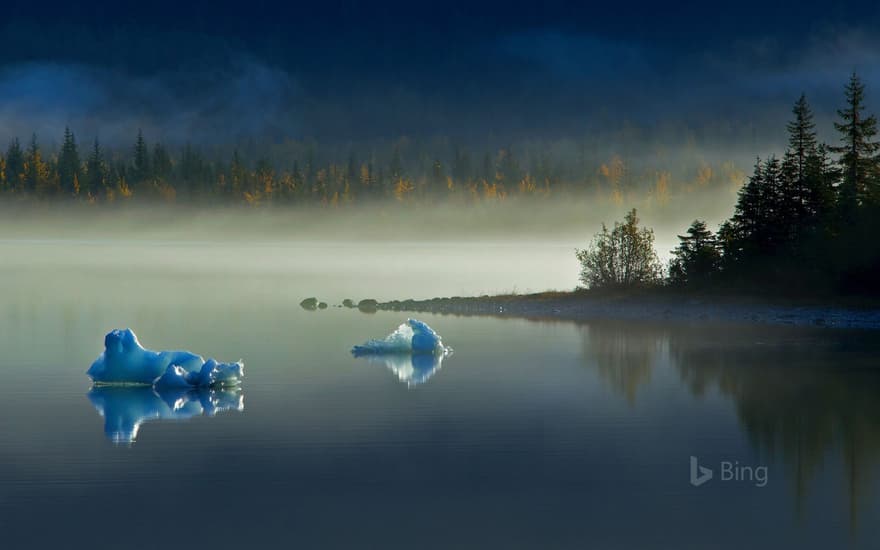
x=215 y=71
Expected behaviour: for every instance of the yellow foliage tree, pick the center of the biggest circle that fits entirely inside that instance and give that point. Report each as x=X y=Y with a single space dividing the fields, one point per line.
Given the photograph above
x=704 y=175
x=124 y=189
x=403 y=187
x=661 y=188
x=614 y=171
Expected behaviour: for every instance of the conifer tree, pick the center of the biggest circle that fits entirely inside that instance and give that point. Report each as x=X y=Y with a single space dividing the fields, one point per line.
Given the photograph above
x=141 y=165
x=69 y=169
x=697 y=257
x=858 y=152
x=96 y=172
x=801 y=139
x=161 y=162
x=822 y=176
x=754 y=225
x=14 y=169
x=749 y=211
x=795 y=192
x=35 y=173
x=237 y=174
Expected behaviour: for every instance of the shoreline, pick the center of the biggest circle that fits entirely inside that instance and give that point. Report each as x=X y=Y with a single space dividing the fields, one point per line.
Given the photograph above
x=646 y=306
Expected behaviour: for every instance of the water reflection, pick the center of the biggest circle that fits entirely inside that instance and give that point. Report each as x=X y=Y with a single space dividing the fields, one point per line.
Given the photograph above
x=125 y=408
x=793 y=397
x=411 y=369
x=797 y=403
x=623 y=355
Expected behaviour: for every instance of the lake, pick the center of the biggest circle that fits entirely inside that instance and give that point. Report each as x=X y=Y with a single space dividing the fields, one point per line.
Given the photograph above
x=530 y=435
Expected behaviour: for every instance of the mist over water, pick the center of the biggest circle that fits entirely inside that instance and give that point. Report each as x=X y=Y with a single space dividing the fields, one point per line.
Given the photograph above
x=387 y=251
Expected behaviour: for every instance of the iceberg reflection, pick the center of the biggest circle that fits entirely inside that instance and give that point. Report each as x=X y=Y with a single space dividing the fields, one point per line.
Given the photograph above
x=411 y=369
x=125 y=408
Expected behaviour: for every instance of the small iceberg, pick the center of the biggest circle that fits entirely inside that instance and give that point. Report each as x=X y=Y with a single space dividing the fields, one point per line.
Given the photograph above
x=125 y=409
x=125 y=361
x=413 y=336
x=414 y=352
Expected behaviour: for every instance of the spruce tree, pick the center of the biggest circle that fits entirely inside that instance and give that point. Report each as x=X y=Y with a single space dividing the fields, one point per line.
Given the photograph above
x=161 y=162
x=801 y=138
x=14 y=169
x=796 y=183
x=35 y=168
x=69 y=169
x=859 y=152
x=755 y=223
x=141 y=168
x=822 y=176
x=96 y=172
x=748 y=214
x=238 y=174
x=697 y=258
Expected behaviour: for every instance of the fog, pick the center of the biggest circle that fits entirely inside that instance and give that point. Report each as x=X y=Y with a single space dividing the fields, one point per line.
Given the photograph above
x=386 y=251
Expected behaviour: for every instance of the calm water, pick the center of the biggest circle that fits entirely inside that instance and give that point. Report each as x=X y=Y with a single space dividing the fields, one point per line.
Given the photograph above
x=531 y=435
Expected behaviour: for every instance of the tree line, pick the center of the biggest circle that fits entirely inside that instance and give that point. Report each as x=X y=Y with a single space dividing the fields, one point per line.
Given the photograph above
x=808 y=222
x=305 y=173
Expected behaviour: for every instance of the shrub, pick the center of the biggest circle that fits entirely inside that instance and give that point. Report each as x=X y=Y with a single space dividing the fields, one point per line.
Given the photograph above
x=623 y=257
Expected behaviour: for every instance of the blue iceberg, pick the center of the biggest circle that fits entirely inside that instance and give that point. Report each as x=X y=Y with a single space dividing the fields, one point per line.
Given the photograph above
x=125 y=409
x=413 y=337
x=414 y=352
x=125 y=361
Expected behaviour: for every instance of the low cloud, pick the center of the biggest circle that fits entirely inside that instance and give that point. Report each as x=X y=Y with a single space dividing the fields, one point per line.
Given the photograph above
x=246 y=99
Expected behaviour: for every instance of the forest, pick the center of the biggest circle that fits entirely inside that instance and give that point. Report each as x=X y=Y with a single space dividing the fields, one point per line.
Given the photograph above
x=630 y=168
x=805 y=224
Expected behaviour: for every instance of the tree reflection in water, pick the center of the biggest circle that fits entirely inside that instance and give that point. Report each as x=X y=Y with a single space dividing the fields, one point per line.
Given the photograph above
x=801 y=397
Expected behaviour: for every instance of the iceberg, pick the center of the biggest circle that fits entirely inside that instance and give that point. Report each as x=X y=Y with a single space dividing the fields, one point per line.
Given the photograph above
x=413 y=336
x=125 y=409
x=212 y=374
x=414 y=352
x=125 y=361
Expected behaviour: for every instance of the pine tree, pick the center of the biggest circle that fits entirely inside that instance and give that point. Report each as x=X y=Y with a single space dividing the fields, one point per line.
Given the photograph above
x=35 y=173
x=69 y=169
x=773 y=229
x=96 y=172
x=755 y=223
x=795 y=192
x=859 y=153
x=237 y=173
x=822 y=176
x=14 y=169
x=141 y=167
x=801 y=138
x=161 y=162
x=749 y=212
x=697 y=257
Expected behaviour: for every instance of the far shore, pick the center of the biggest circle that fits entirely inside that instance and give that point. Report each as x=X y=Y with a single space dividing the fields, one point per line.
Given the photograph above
x=650 y=306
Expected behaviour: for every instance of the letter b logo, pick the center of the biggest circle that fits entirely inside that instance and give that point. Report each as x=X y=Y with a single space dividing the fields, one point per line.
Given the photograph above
x=699 y=474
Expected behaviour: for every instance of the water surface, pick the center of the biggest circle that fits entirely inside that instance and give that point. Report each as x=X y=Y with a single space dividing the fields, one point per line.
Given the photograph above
x=531 y=435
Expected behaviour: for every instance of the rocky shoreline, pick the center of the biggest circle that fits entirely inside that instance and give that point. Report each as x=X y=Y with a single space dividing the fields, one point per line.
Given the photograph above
x=586 y=306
